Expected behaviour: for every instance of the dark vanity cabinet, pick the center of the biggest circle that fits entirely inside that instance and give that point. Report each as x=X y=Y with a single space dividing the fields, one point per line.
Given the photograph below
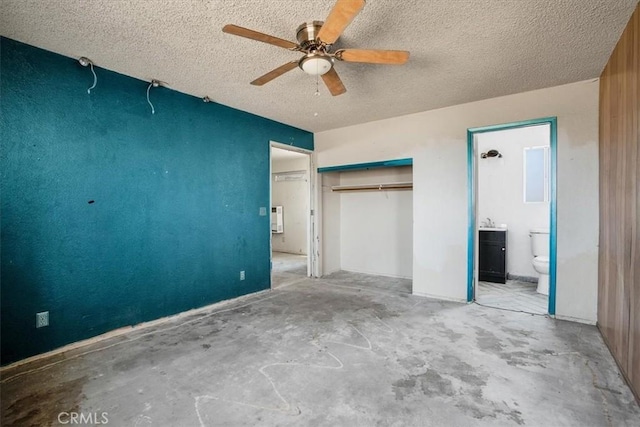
x=492 y=256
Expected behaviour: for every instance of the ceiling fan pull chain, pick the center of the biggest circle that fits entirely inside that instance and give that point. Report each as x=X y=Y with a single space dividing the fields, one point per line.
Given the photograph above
x=315 y=114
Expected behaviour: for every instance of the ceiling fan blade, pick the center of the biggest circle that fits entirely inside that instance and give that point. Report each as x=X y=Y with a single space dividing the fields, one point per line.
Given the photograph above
x=275 y=73
x=333 y=82
x=255 y=35
x=339 y=18
x=373 y=56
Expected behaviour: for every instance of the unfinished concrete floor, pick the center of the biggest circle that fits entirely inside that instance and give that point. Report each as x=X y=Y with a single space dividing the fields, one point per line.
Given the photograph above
x=287 y=268
x=336 y=353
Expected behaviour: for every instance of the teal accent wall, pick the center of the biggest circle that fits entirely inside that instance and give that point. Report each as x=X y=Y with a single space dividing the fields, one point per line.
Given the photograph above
x=112 y=216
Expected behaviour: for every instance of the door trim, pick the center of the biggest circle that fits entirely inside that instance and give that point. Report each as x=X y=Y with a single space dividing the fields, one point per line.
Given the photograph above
x=471 y=195
x=311 y=223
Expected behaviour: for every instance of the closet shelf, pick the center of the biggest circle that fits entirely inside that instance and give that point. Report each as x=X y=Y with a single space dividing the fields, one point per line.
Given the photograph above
x=374 y=187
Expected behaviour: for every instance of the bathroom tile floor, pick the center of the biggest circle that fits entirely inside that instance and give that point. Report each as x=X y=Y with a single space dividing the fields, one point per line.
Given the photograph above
x=513 y=295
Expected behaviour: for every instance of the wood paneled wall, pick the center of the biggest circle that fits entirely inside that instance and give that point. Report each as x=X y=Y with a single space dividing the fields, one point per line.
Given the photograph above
x=619 y=253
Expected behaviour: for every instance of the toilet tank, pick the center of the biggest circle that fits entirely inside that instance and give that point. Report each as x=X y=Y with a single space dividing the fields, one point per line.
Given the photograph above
x=539 y=241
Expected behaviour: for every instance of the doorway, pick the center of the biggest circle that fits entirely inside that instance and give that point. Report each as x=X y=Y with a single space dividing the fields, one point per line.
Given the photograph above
x=512 y=216
x=291 y=221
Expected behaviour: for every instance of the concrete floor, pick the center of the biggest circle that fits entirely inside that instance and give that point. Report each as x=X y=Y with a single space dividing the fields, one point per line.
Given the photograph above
x=287 y=268
x=371 y=282
x=333 y=352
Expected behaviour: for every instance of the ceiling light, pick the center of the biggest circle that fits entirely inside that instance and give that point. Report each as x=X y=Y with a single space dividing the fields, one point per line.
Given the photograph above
x=491 y=153
x=316 y=64
x=84 y=61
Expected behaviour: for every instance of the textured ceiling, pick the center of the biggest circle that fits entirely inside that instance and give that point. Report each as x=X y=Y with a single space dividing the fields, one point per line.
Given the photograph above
x=461 y=50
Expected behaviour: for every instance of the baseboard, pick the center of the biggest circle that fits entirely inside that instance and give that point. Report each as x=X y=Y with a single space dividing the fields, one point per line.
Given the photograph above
x=527 y=279
x=289 y=253
x=439 y=297
x=575 y=319
x=377 y=274
x=127 y=329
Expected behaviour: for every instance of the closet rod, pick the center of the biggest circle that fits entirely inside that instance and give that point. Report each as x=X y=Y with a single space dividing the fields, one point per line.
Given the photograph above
x=374 y=187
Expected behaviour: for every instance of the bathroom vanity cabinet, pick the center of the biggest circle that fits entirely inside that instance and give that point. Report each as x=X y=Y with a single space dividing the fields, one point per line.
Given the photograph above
x=492 y=255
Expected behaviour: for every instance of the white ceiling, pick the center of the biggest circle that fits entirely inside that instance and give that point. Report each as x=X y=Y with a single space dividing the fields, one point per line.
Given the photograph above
x=461 y=50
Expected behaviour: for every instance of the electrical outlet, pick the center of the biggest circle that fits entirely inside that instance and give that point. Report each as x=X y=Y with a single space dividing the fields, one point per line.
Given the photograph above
x=42 y=319
x=242 y=275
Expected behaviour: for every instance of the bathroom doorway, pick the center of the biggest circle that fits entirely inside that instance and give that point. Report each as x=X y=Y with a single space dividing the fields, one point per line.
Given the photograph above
x=512 y=216
x=291 y=221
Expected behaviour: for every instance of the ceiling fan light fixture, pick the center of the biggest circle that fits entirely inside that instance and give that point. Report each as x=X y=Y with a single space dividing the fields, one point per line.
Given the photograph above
x=316 y=65
x=315 y=41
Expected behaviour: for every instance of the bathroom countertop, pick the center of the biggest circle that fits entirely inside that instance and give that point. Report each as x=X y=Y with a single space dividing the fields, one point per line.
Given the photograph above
x=491 y=229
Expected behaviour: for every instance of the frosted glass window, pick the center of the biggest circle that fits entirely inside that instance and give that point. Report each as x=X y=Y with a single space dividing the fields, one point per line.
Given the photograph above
x=536 y=174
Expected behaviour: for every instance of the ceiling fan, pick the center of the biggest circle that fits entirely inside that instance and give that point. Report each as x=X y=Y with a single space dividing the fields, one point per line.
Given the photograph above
x=315 y=40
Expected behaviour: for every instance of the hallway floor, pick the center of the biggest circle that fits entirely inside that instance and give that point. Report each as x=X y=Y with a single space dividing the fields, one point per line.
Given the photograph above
x=287 y=268
x=332 y=352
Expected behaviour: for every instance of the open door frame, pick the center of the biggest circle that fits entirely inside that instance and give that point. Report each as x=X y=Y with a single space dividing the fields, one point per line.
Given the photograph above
x=472 y=197
x=312 y=259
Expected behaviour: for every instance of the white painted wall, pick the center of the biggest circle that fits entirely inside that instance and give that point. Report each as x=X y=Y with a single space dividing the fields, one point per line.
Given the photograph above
x=330 y=229
x=500 y=191
x=436 y=140
x=293 y=196
x=376 y=226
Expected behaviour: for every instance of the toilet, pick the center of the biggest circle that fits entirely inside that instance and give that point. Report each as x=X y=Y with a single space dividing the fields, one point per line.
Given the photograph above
x=540 y=251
